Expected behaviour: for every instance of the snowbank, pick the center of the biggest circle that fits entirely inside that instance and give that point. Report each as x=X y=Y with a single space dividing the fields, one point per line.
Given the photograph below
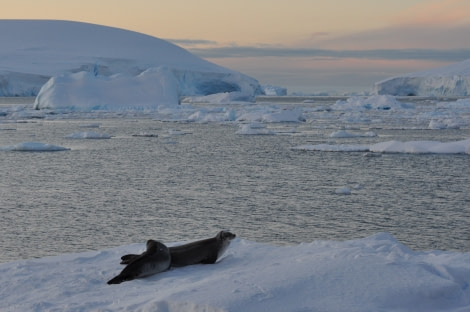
x=452 y=80
x=411 y=147
x=38 y=50
x=376 y=273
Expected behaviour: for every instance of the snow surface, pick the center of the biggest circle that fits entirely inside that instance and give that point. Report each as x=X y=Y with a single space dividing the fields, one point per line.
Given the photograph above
x=376 y=273
x=452 y=80
x=71 y=52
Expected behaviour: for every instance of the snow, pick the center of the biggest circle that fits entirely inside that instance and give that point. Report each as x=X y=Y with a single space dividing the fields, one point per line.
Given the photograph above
x=34 y=147
x=410 y=147
x=67 y=54
x=375 y=273
x=452 y=80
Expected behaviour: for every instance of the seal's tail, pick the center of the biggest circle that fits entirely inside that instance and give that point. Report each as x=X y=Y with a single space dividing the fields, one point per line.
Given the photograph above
x=116 y=280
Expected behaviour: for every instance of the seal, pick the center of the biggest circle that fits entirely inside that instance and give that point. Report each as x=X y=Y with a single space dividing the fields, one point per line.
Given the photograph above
x=152 y=261
x=205 y=251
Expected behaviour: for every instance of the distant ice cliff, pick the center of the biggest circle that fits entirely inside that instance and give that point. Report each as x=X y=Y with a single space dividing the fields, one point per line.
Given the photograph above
x=452 y=80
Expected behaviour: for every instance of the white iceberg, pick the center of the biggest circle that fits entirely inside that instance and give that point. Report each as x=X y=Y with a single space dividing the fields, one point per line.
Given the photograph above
x=271 y=90
x=84 y=91
x=452 y=80
x=376 y=273
x=38 y=50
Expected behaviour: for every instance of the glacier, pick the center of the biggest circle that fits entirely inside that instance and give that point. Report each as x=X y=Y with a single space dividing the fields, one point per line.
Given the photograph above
x=452 y=81
x=49 y=58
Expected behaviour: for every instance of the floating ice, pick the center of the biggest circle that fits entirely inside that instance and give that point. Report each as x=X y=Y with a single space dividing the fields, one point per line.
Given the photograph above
x=34 y=147
x=333 y=148
x=346 y=134
x=376 y=102
x=88 y=135
x=411 y=147
x=343 y=190
x=254 y=129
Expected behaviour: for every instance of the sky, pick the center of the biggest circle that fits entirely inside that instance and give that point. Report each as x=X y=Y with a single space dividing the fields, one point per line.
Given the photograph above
x=304 y=45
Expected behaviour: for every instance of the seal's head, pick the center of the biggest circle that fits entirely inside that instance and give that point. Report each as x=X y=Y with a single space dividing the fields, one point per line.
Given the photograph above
x=225 y=235
x=156 y=246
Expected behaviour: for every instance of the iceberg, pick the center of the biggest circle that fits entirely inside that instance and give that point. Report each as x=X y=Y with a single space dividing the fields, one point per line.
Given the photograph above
x=60 y=55
x=84 y=91
x=271 y=90
x=452 y=80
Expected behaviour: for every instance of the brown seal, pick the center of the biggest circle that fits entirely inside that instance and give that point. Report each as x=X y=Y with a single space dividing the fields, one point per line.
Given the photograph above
x=154 y=260
x=205 y=251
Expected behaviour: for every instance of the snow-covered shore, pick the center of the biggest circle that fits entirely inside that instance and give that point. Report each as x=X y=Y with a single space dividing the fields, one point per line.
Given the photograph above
x=375 y=273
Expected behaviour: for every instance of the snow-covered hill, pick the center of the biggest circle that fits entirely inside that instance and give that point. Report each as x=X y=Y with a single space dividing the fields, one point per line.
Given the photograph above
x=33 y=51
x=452 y=80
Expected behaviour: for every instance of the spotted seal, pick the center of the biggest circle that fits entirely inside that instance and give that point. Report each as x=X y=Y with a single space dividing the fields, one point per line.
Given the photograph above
x=154 y=260
x=205 y=251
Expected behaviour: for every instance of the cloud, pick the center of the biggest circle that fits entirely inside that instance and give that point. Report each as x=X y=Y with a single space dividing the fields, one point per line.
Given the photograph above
x=436 y=12
x=192 y=42
x=400 y=37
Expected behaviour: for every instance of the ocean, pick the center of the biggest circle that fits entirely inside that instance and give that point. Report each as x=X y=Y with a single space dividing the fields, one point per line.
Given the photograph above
x=179 y=181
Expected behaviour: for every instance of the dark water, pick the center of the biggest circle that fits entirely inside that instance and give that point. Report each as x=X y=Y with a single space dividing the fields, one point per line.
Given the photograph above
x=174 y=187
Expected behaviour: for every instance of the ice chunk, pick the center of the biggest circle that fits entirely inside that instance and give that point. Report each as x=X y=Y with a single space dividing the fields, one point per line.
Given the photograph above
x=34 y=147
x=88 y=135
